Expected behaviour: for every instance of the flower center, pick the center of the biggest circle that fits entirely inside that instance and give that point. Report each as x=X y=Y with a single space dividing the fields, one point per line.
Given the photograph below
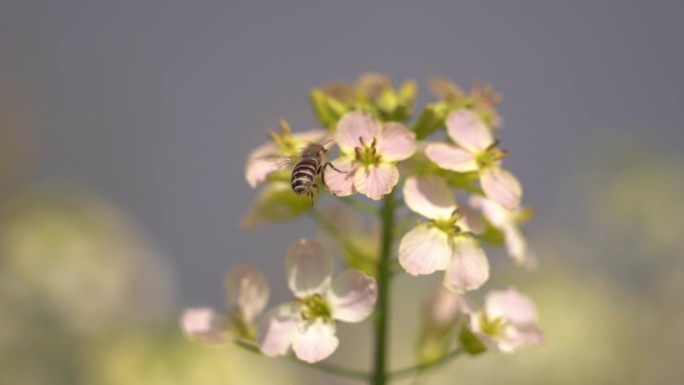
x=315 y=307
x=284 y=140
x=490 y=156
x=367 y=154
x=450 y=226
x=493 y=328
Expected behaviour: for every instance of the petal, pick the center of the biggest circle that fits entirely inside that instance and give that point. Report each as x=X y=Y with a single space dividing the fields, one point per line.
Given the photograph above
x=516 y=244
x=502 y=187
x=471 y=221
x=510 y=305
x=247 y=289
x=204 y=325
x=451 y=157
x=309 y=266
x=352 y=296
x=356 y=127
x=517 y=337
x=444 y=309
x=469 y=267
x=316 y=342
x=340 y=183
x=495 y=213
x=468 y=131
x=277 y=330
x=260 y=163
x=396 y=142
x=429 y=196
x=376 y=181
x=424 y=250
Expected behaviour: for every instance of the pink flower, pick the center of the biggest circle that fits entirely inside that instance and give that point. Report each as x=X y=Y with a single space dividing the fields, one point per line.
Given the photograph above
x=508 y=222
x=476 y=150
x=369 y=152
x=308 y=324
x=445 y=241
x=247 y=291
x=269 y=157
x=507 y=322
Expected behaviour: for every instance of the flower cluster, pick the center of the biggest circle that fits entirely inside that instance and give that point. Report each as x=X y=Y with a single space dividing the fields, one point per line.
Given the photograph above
x=384 y=163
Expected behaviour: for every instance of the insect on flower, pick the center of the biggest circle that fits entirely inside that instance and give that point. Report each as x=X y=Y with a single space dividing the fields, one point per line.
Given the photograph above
x=311 y=164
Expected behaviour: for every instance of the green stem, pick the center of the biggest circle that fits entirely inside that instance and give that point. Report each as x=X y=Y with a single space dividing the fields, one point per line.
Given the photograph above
x=429 y=365
x=380 y=375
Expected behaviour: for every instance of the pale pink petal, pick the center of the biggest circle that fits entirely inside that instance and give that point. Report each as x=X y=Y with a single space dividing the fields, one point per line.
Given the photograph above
x=376 y=181
x=470 y=221
x=424 y=250
x=277 y=330
x=309 y=266
x=468 y=130
x=396 y=142
x=352 y=296
x=340 y=183
x=445 y=308
x=356 y=127
x=495 y=213
x=247 y=289
x=516 y=244
x=204 y=325
x=516 y=337
x=316 y=342
x=511 y=306
x=305 y=138
x=260 y=163
x=430 y=197
x=450 y=157
x=502 y=187
x=468 y=269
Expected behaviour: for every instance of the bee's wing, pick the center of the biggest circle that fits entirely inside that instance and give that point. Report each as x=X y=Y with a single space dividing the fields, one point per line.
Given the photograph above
x=279 y=161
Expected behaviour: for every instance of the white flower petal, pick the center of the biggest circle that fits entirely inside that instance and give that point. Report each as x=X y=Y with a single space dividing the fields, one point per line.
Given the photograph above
x=451 y=157
x=277 y=330
x=466 y=128
x=516 y=337
x=495 y=213
x=469 y=267
x=396 y=142
x=356 y=127
x=470 y=221
x=204 y=325
x=429 y=196
x=502 y=187
x=309 y=267
x=247 y=289
x=510 y=305
x=444 y=309
x=260 y=163
x=352 y=296
x=316 y=342
x=424 y=250
x=340 y=183
x=376 y=181
x=516 y=245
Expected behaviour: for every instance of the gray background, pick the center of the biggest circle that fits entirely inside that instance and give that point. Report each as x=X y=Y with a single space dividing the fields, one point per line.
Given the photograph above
x=156 y=104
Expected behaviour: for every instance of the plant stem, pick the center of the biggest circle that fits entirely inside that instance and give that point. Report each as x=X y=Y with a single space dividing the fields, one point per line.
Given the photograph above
x=380 y=376
x=429 y=365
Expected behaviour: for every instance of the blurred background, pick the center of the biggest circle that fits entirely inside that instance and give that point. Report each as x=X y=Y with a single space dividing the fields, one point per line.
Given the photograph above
x=124 y=128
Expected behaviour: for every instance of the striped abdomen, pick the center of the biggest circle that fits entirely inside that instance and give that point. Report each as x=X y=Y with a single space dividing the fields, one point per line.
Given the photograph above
x=303 y=175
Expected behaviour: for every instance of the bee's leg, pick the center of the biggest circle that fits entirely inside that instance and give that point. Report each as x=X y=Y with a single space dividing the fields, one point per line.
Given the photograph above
x=311 y=192
x=322 y=173
x=328 y=164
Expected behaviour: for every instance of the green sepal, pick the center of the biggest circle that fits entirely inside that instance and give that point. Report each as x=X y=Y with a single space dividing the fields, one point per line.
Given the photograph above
x=321 y=109
x=463 y=180
x=492 y=235
x=429 y=120
x=471 y=344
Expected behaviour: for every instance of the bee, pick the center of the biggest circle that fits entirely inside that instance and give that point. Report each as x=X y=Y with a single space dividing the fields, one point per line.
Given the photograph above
x=311 y=163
